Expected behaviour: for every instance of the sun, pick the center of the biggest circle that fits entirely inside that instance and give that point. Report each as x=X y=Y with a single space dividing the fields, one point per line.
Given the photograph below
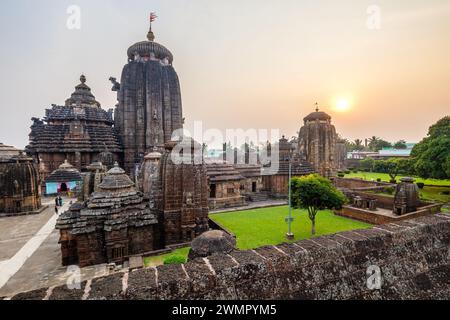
x=342 y=105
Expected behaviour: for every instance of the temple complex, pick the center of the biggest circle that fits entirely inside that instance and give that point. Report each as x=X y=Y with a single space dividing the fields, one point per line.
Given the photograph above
x=19 y=183
x=79 y=131
x=114 y=223
x=149 y=106
x=317 y=141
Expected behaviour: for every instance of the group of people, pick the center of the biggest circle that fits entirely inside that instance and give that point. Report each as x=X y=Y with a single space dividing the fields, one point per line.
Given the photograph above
x=58 y=203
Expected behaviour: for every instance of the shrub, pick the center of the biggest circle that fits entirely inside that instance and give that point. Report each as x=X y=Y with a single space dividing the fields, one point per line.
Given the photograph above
x=347 y=172
x=445 y=193
x=341 y=175
x=176 y=259
x=378 y=179
x=351 y=168
x=355 y=171
x=389 y=190
x=420 y=185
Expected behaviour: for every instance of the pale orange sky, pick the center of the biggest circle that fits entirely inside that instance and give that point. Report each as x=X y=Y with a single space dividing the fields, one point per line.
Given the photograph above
x=242 y=64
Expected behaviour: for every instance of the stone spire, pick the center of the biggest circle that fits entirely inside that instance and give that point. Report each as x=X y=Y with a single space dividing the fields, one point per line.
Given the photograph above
x=82 y=95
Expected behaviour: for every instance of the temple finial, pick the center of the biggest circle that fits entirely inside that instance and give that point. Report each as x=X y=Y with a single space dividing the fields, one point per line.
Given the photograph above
x=82 y=78
x=317 y=107
x=150 y=34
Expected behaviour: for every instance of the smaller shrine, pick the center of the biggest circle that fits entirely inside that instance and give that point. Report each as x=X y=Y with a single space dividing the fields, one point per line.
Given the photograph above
x=19 y=183
x=406 y=197
x=113 y=224
x=66 y=179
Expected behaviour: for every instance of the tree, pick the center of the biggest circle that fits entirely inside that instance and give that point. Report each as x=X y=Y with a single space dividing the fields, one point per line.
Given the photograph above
x=357 y=145
x=431 y=156
x=401 y=144
x=315 y=193
x=367 y=164
x=376 y=144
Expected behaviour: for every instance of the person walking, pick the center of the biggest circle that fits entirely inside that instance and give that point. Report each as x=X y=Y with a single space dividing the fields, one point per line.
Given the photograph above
x=56 y=210
x=60 y=200
x=56 y=202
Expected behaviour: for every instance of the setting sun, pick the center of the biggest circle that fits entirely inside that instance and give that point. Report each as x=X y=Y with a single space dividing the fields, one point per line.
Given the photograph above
x=342 y=105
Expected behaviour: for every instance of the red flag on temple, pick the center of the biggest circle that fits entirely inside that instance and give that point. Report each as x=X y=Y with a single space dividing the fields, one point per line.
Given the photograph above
x=153 y=16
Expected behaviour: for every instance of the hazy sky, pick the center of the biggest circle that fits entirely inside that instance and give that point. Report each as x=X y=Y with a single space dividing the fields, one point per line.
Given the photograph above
x=242 y=63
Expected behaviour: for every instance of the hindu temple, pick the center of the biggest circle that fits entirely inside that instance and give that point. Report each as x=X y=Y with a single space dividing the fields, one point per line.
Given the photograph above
x=19 y=183
x=79 y=131
x=149 y=105
x=317 y=141
x=112 y=224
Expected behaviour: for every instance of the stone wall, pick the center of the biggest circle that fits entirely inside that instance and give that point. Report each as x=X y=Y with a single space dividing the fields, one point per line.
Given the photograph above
x=413 y=256
x=359 y=184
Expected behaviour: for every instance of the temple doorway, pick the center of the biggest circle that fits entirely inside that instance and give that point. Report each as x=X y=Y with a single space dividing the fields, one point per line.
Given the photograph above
x=63 y=187
x=212 y=191
x=254 y=187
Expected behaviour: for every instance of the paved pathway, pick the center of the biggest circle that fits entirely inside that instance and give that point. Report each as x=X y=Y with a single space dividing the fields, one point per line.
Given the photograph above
x=9 y=267
x=253 y=205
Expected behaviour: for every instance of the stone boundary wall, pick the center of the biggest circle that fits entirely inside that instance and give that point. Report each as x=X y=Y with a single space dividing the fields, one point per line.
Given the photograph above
x=360 y=184
x=413 y=255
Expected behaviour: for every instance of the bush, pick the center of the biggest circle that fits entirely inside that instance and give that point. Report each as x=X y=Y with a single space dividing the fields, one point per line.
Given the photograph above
x=378 y=179
x=176 y=259
x=341 y=175
x=347 y=172
x=389 y=190
x=445 y=193
x=355 y=171
x=420 y=185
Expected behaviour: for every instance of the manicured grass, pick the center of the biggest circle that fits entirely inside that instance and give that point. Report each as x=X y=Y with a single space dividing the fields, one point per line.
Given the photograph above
x=428 y=193
x=385 y=178
x=267 y=226
x=260 y=227
x=435 y=194
x=159 y=260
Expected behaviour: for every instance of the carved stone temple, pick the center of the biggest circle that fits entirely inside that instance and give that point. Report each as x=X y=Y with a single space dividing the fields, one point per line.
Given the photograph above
x=149 y=106
x=317 y=141
x=114 y=223
x=80 y=132
x=19 y=183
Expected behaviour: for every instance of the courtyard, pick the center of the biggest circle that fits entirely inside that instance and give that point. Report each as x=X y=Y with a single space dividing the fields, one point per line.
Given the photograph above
x=266 y=226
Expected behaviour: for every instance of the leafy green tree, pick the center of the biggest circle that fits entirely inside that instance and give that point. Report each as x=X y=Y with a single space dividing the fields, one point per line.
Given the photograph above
x=431 y=156
x=315 y=193
x=356 y=145
x=368 y=164
x=401 y=144
x=376 y=144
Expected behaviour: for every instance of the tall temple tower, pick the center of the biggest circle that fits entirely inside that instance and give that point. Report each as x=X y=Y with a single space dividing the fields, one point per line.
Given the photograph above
x=149 y=106
x=317 y=142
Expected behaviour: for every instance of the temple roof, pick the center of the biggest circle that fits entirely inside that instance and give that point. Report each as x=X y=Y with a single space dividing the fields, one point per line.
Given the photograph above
x=150 y=48
x=8 y=151
x=116 y=179
x=60 y=138
x=317 y=115
x=82 y=95
x=65 y=173
x=222 y=171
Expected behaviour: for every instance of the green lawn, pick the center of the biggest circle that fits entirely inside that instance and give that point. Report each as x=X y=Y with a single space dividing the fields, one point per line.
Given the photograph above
x=260 y=227
x=428 y=193
x=159 y=260
x=385 y=178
